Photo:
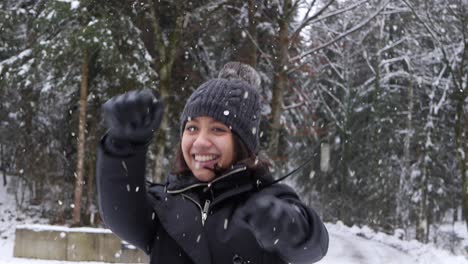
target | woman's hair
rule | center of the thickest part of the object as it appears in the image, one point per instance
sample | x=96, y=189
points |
x=242, y=156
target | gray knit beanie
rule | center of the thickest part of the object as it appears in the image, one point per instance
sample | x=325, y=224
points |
x=232, y=99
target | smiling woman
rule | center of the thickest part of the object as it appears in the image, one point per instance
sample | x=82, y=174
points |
x=219, y=204
x=207, y=144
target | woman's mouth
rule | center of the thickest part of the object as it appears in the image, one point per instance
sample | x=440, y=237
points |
x=205, y=160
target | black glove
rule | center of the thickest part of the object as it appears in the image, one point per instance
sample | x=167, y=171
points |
x=274, y=222
x=131, y=119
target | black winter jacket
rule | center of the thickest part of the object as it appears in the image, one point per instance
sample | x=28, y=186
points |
x=186, y=221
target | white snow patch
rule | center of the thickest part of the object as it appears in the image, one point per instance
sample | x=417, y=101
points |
x=9, y=221
x=74, y=5
x=13, y=59
x=51, y=15
x=353, y=245
x=38, y=228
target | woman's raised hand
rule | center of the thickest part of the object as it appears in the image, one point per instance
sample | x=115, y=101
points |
x=133, y=116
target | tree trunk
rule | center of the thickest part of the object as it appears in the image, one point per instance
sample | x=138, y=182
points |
x=375, y=120
x=76, y=218
x=346, y=147
x=461, y=154
x=91, y=173
x=402, y=206
x=422, y=223
x=252, y=57
x=343, y=184
x=166, y=52
x=3, y=164
x=161, y=137
x=280, y=80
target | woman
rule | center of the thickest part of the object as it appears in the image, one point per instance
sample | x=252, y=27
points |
x=217, y=205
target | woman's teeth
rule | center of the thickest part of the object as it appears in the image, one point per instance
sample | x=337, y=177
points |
x=203, y=158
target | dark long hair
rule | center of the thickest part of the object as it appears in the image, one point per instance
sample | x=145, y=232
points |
x=242, y=156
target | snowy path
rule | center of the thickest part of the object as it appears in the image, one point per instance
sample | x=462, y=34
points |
x=348, y=249
x=378, y=248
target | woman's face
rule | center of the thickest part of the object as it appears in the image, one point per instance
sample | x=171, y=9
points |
x=205, y=143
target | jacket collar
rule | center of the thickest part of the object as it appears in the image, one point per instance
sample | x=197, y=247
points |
x=235, y=177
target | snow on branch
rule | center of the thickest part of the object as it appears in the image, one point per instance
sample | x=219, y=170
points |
x=265, y=55
x=391, y=45
x=429, y=30
x=397, y=74
x=308, y=20
x=392, y=60
x=332, y=65
x=15, y=58
x=442, y=99
x=313, y=19
x=331, y=112
x=301, y=99
x=209, y=7
x=332, y=96
x=344, y=34
x=291, y=106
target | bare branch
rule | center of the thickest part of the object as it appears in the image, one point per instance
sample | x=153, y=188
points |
x=331, y=112
x=307, y=20
x=308, y=10
x=254, y=41
x=291, y=106
x=391, y=45
x=439, y=43
x=392, y=60
x=333, y=97
x=311, y=20
x=342, y=35
x=442, y=99
x=292, y=9
x=210, y=7
x=368, y=63
x=418, y=17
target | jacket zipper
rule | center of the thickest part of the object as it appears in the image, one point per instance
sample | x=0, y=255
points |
x=203, y=210
x=206, y=209
x=206, y=184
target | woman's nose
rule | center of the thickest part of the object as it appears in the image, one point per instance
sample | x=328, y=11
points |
x=202, y=140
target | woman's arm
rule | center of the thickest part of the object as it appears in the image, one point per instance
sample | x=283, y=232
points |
x=131, y=119
x=284, y=225
x=314, y=243
x=123, y=199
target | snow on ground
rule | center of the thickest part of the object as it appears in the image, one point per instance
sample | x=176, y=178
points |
x=10, y=219
x=347, y=245
x=364, y=246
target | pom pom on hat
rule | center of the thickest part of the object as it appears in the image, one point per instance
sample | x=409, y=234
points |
x=236, y=70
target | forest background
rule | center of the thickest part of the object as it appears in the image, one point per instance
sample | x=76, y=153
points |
x=373, y=91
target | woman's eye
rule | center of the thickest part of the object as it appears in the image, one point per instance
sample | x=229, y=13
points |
x=191, y=128
x=219, y=129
